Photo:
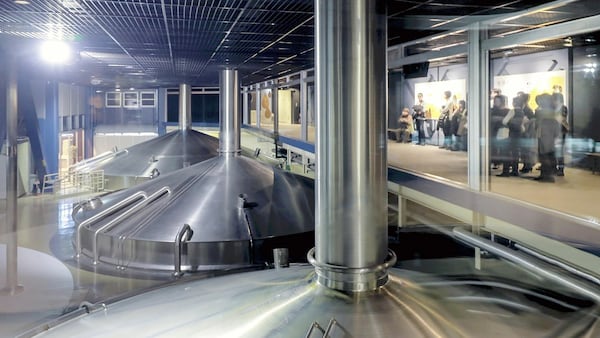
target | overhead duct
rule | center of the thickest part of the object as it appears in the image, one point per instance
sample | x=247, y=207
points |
x=158, y=156
x=223, y=213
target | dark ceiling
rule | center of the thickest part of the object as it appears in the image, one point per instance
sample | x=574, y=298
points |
x=151, y=43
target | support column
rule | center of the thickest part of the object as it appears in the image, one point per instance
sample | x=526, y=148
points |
x=275, y=109
x=478, y=111
x=303, y=107
x=11, y=285
x=161, y=104
x=258, y=106
x=351, y=181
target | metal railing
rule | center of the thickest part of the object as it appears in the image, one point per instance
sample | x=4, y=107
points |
x=73, y=182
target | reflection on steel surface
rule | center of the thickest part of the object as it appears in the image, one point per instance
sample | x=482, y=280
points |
x=287, y=303
x=137, y=227
x=166, y=153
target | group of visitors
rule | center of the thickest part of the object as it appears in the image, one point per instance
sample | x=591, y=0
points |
x=523, y=135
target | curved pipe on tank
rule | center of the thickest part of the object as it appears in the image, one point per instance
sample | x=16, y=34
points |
x=106, y=227
x=117, y=206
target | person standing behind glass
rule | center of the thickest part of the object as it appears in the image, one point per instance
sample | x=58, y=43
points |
x=514, y=121
x=528, y=150
x=455, y=125
x=562, y=114
x=419, y=118
x=548, y=130
x=498, y=139
x=444, y=122
x=463, y=127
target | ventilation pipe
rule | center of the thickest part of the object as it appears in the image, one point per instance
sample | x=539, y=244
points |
x=229, y=126
x=185, y=106
x=351, y=217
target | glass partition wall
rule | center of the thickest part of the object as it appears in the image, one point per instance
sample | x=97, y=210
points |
x=285, y=106
x=470, y=96
x=505, y=110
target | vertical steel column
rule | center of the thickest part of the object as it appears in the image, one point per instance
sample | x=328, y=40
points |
x=245, y=110
x=12, y=281
x=229, y=126
x=478, y=110
x=161, y=104
x=351, y=101
x=303, y=106
x=258, y=105
x=275, y=108
x=185, y=106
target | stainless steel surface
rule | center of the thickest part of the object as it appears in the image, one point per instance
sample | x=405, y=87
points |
x=522, y=260
x=229, y=112
x=350, y=54
x=205, y=196
x=185, y=106
x=11, y=285
x=166, y=153
x=288, y=302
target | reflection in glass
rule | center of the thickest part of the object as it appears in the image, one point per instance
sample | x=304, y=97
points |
x=288, y=108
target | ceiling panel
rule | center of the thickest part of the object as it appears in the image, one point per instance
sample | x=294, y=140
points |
x=133, y=43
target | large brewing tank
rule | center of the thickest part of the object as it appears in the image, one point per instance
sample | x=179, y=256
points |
x=290, y=303
x=161, y=155
x=226, y=212
x=158, y=156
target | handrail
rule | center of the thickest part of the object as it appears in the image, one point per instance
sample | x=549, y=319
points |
x=523, y=261
x=183, y=235
x=325, y=333
x=117, y=219
x=116, y=206
x=314, y=326
x=92, y=161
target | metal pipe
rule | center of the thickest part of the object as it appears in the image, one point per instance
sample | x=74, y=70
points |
x=185, y=106
x=183, y=235
x=100, y=215
x=351, y=215
x=108, y=226
x=12, y=279
x=523, y=261
x=229, y=126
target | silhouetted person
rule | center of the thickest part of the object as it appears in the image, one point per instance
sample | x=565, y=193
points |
x=562, y=113
x=548, y=130
x=419, y=115
x=528, y=150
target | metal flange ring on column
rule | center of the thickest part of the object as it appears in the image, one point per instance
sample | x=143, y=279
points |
x=352, y=279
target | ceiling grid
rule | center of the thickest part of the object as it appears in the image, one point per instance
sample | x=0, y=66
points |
x=168, y=42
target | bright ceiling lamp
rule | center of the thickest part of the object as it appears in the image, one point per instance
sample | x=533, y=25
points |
x=58, y=52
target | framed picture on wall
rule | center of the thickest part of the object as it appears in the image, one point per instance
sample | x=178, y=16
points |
x=113, y=100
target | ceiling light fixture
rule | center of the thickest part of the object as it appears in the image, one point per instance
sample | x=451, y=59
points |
x=58, y=52
x=22, y=2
